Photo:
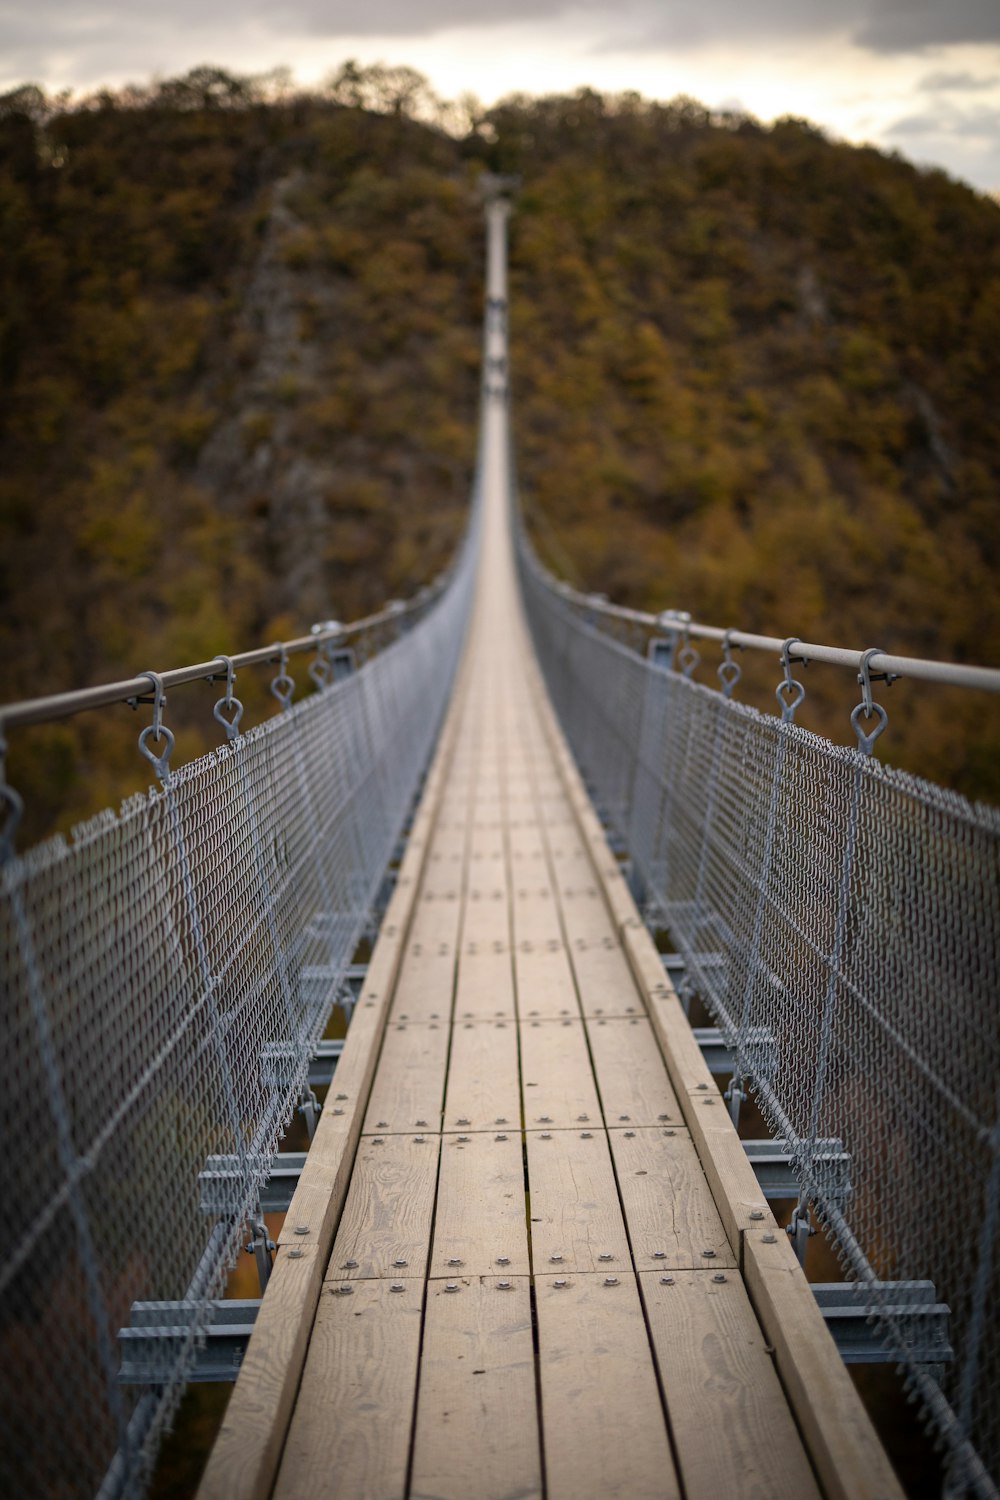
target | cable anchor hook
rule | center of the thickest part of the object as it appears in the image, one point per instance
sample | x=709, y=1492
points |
x=868, y=706
x=729, y=671
x=283, y=686
x=229, y=704
x=157, y=730
x=789, y=692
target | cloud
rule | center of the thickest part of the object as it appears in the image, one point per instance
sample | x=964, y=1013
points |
x=915, y=25
x=883, y=26
x=958, y=83
x=981, y=123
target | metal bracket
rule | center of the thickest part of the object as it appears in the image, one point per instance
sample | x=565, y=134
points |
x=910, y=1307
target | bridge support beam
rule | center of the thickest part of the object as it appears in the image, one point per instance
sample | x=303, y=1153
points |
x=845, y=1307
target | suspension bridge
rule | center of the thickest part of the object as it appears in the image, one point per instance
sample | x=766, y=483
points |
x=528, y=1252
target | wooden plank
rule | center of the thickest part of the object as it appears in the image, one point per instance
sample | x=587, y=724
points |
x=246, y=1451
x=350, y=1433
x=576, y=1220
x=409, y=1085
x=732, y=1428
x=731, y=1178
x=688, y=1070
x=842, y=1443
x=386, y=1225
x=477, y=1421
x=631, y=1074
x=483, y=1089
x=672, y=1219
x=426, y=983
x=603, y=978
x=558, y=1082
x=485, y=989
x=603, y=1429
x=543, y=979
x=479, y=1225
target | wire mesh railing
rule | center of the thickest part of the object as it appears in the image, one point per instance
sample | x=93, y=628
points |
x=841, y=922
x=168, y=972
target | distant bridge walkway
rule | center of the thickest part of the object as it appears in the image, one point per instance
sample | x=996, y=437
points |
x=527, y=1255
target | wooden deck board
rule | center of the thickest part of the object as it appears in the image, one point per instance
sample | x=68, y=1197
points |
x=483, y=1091
x=631, y=1074
x=386, y=1225
x=479, y=1226
x=559, y=1087
x=350, y=1433
x=717, y=1372
x=477, y=1421
x=672, y=1219
x=603, y=1431
x=576, y=1220
x=408, y=1092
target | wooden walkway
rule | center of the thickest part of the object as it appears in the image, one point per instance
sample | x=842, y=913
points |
x=527, y=1256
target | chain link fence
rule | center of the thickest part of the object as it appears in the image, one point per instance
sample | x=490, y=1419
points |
x=841, y=922
x=168, y=972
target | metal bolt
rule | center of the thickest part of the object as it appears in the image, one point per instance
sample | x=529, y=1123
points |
x=769, y=1239
x=624, y=1117
x=545, y=1119
x=555, y=1259
x=630, y=1135
x=397, y=1286
x=703, y=1086
x=418, y=1123
x=670, y=1132
x=560, y=1282
x=659, y=1255
x=500, y=1120
x=342, y=1291
x=583, y=1119
x=611, y=1281
x=756, y=1213
x=463, y=1121
x=500, y=1138
x=302, y=1229
x=400, y=1262
x=605, y=1255
x=341, y=1096
x=718, y=1276
x=350, y=1265
x=418, y=1140
x=503, y=1260
x=463, y=1140
x=586, y=1135
x=377, y=1140
x=546, y=1135
x=382, y=1124
x=338, y=1111
x=295, y=1255
x=451, y=1286
x=503, y=1286
x=708, y=1254
x=454, y=1261
x=663, y=1117
x=666, y=1281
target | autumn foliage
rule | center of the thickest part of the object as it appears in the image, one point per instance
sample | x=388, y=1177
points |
x=755, y=376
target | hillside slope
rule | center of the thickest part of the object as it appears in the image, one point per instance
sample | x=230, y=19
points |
x=755, y=377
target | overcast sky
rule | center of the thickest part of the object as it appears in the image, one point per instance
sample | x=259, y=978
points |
x=920, y=76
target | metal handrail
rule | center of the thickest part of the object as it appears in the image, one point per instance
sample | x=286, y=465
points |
x=46, y=710
x=880, y=663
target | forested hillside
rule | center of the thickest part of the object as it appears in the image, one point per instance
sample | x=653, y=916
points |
x=755, y=376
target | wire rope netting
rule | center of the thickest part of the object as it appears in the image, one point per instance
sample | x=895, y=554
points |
x=841, y=922
x=168, y=972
